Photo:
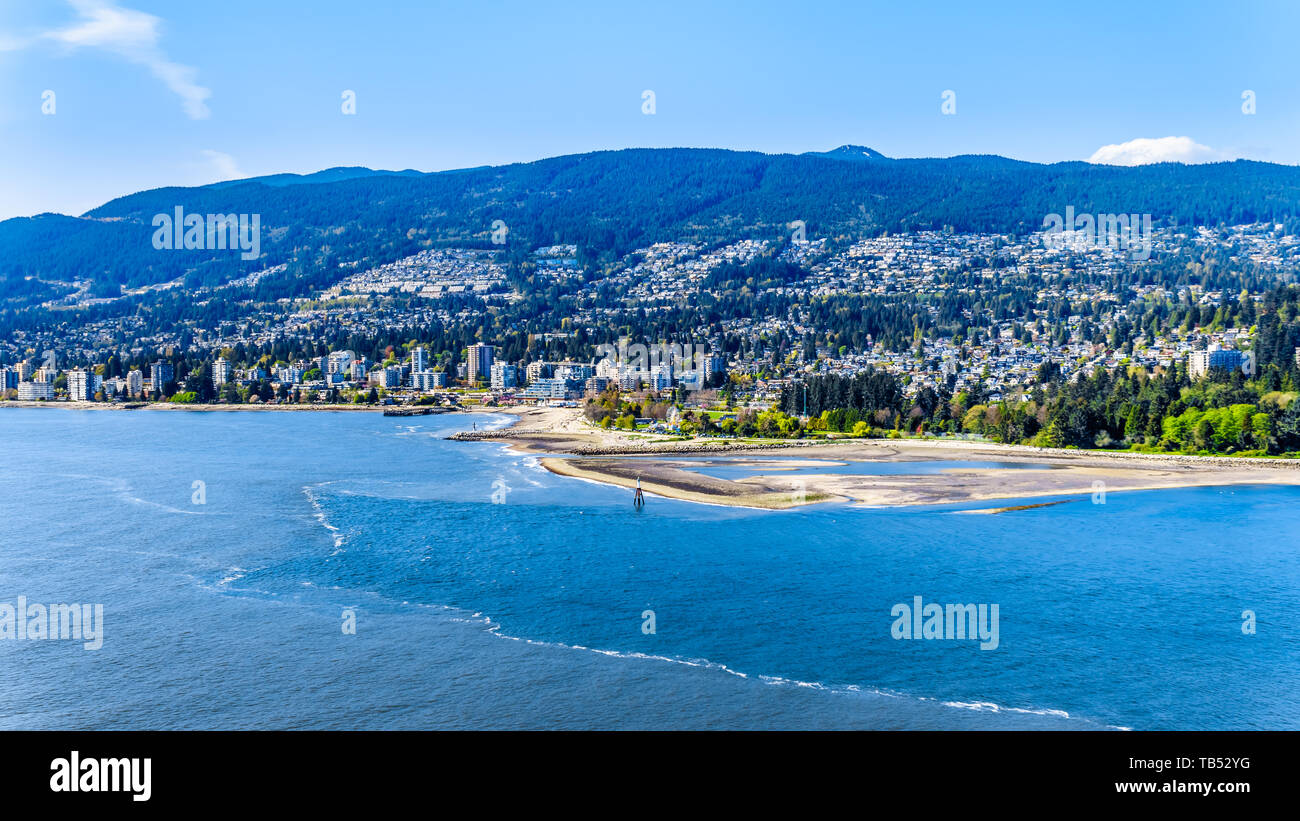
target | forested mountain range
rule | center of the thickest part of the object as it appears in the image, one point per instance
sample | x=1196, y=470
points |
x=611, y=202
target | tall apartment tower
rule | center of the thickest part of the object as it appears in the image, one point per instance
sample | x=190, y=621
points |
x=160, y=373
x=81, y=385
x=221, y=370
x=480, y=362
x=504, y=376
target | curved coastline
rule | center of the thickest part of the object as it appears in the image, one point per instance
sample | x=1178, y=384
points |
x=569, y=447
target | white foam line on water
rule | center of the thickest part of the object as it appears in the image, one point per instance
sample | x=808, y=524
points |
x=461, y=615
x=236, y=573
x=497, y=421
x=495, y=628
x=982, y=706
x=310, y=492
x=121, y=488
x=990, y=707
x=526, y=461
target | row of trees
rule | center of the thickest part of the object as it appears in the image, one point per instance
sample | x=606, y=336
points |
x=1221, y=413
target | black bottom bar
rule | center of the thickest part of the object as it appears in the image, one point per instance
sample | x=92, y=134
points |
x=335, y=770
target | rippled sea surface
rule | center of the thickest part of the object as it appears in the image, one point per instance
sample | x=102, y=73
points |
x=489, y=593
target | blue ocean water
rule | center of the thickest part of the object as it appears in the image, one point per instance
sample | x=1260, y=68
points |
x=489, y=593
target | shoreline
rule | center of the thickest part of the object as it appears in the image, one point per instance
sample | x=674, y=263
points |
x=567, y=446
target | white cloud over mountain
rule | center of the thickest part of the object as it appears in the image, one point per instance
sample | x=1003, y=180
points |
x=1145, y=150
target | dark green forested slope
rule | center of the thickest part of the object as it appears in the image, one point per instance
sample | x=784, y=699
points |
x=611, y=202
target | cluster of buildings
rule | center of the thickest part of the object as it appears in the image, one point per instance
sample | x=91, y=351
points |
x=922, y=269
x=656, y=285
x=417, y=374
x=81, y=384
x=431, y=274
x=668, y=269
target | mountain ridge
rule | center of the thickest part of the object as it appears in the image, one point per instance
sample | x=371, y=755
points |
x=611, y=202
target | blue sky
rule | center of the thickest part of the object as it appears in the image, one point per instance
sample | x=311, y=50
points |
x=149, y=93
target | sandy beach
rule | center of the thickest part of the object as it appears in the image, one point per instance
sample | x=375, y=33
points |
x=571, y=447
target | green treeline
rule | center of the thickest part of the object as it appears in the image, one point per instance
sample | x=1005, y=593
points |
x=1221, y=413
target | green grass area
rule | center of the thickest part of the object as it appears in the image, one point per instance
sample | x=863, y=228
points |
x=1241, y=454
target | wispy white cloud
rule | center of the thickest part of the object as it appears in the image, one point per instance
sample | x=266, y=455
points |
x=127, y=33
x=9, y=42
x=1145, y=150
x=221, y=166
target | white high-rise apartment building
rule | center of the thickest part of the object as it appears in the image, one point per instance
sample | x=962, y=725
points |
x=32, y=391
x=221, y=370
x=338, y=362
x=81, y=385
x=537, y=370
x=428, y=380
x=504, y=376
